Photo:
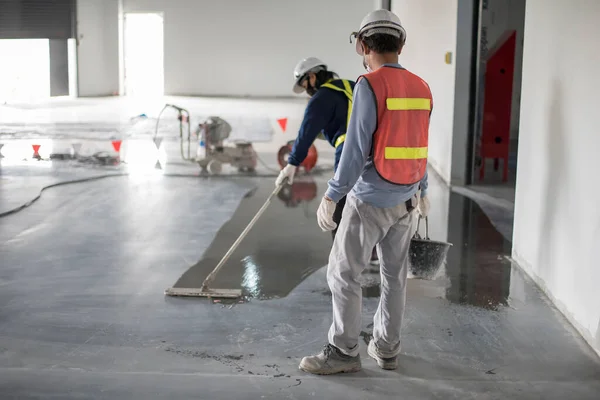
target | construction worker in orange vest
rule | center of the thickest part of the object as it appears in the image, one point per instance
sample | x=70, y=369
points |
x=383, y=170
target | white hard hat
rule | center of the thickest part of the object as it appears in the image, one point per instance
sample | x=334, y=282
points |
x=378, y=21
x=310, y=64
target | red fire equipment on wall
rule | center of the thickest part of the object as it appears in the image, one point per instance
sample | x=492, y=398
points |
x=495, y=134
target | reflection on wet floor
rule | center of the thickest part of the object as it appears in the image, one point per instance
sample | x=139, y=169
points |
x=477, y=270
x=284, y=247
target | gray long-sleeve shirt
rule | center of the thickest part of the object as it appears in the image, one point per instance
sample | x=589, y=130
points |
x=355, y=172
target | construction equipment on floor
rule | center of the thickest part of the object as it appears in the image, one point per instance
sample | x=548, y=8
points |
x=212, y=152
x=205, y=290
x=426, y=256
x=211, y=133
x=183, y=116
x=309, y=162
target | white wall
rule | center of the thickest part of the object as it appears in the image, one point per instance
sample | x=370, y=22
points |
x=98, y=47
x=431, y=32
x=243, y=47
x=557, y=214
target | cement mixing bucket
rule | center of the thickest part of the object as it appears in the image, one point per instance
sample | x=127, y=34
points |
x=426, y=255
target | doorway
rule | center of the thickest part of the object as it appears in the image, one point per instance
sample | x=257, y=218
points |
x=485, y=138
x=500, y=56
x=143, y=54
x=26, y=78
x=489, y=58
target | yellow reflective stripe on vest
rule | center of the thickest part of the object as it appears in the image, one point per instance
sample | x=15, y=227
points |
x=341, y=139
x=396, y=104
x=348, y=92
x=405, y=153
x=347, y=88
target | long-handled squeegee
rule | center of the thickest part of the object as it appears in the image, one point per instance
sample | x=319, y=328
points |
x=205, y=290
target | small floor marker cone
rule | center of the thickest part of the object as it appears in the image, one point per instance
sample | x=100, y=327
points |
x=36, y=150
x=76, y=147
x=282, y=123
x=116, y=145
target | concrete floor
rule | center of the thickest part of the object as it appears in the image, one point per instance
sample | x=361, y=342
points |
x=83, y=270
x=496, y=202
x=83, y=315
x=493, y=195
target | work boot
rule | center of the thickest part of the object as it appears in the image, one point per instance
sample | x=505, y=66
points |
x=384, y=363
x=330, y=361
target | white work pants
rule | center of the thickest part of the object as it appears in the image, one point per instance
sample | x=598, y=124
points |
x=362, y=227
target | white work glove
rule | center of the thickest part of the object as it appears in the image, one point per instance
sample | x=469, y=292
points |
x=423, y=206
x=325, y=215
x=287, y=172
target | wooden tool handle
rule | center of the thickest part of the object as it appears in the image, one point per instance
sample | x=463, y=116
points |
x=235, y=244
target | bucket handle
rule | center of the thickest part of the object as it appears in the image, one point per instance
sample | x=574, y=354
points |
x=417, y=235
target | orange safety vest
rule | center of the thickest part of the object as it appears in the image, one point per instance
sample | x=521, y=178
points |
x=404, y=103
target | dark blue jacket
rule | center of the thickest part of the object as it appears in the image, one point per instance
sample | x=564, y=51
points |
x=326, y=112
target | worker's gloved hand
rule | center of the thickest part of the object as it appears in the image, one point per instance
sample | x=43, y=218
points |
x=423, y=206
x=287, y=172
x=325, y=215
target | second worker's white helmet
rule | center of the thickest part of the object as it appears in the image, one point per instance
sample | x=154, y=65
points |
x=310, y=64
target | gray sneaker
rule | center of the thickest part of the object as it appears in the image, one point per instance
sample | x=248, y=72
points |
x=330, y=361
x=385, y=363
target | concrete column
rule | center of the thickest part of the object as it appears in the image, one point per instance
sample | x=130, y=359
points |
x=464, y=94
x=59, y=67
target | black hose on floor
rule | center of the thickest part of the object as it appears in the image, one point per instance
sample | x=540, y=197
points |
x=96, y=178
x=36, y=198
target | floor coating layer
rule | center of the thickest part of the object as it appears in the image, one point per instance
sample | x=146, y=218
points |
x=496, y=202
x=278, y=254
x=83, y=315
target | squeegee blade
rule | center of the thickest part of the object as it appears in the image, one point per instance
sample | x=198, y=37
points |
x=198, y=292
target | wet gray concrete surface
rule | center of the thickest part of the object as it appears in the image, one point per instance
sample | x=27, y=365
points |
x=496, y=203
x=23, y=180
x=279, y=252
x=83, y=315
x=22, y=184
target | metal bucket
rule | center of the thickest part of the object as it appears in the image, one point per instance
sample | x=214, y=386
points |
x=426, y=256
